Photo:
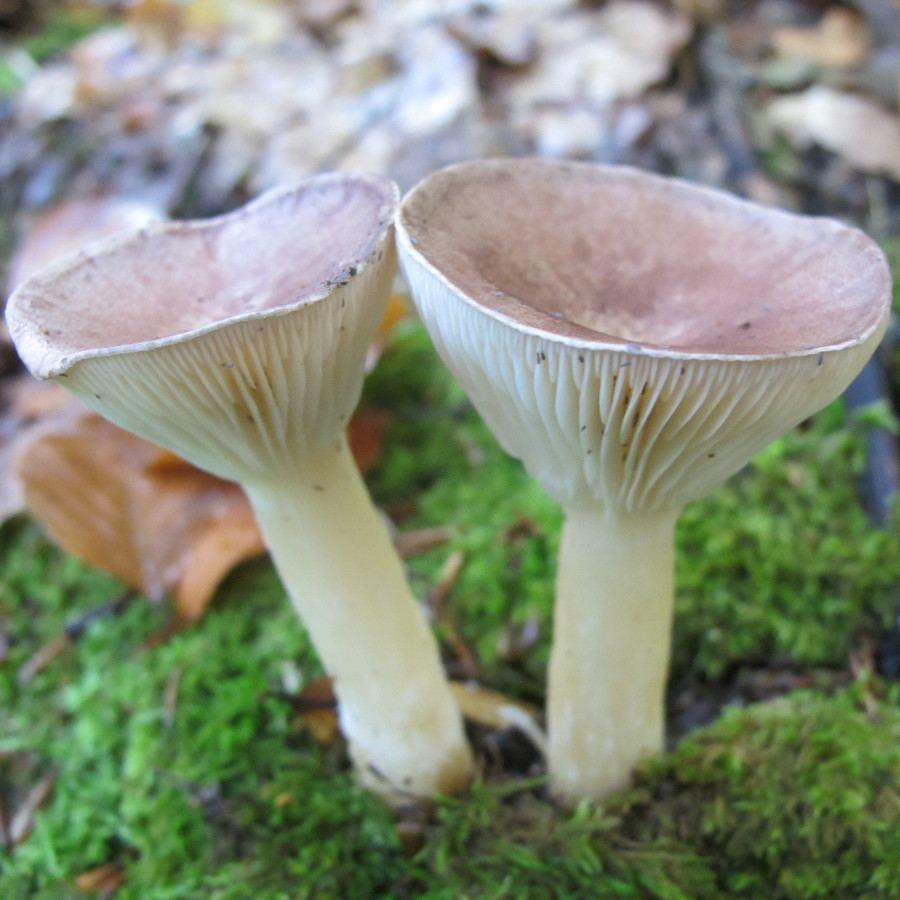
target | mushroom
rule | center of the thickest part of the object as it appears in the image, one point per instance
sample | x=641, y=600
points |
x=239, y=344
x=633, y=339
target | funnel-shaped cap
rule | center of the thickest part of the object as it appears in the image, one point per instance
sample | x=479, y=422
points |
x=635, y=339
x=238, y=342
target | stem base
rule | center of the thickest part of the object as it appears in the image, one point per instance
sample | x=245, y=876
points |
x=611, y=646
x=345, y=580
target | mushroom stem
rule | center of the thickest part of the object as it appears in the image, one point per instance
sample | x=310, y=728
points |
x=611, y=645
x=345, y=580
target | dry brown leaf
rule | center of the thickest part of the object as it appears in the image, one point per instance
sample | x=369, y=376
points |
x=104, y=879
x=365, y=434
x=101, y=496
x=601, y=56
x=840, y=39
x=167, y=22
x=488, y=707
x=27, y=409
x=863, y=133
x=317, y=708
x=509, y=36
x=45, y=655
x=396, y=311
x=72, y=226
x=23, y=820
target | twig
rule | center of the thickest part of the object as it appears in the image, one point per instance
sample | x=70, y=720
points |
x=42, y=658
x=4, y=828
x=446, y=579
x=420, y=540
x=444, y=616
x=170, y=696
x=23, y=820
x=70, y=634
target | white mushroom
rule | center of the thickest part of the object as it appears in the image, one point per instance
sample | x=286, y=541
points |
x=633, y=340
x=239, y=343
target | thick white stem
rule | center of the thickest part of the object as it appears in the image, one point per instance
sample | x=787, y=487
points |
x=611, y=646
x=343, y=575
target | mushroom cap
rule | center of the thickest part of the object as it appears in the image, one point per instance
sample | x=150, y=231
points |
x=634, y=339
x=237, y=341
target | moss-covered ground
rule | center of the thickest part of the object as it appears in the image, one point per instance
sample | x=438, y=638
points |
x=184, y=764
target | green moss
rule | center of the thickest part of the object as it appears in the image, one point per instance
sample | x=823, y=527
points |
x=796, y=798
x=170, y=759
x=184, y=763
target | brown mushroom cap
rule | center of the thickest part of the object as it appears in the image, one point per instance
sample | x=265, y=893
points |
x=634, y=339
x=238, y=342
x=598, y=254
x=166, y=282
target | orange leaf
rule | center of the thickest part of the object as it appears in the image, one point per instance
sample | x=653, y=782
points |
x=317, y=707
x=73, y=225
x=27, y=409
x=365, y=434
x=840, y=39
x=102, y=496
x=104, y=879
x=396, y=310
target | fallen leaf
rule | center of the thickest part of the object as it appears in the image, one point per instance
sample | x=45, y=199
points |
x=599, y=56
x=488, y=707
x=863, y=133
x=509, y=36
x=74, y=225
x=396, y=311
x=23, y=820
x=169, y=21
x=42, y=658
x=840, y=39
x=316, y=705
x=589, y=61
x=365, y=435
x=101, y=495
x=104, y=879
x=27, y=410
x=109, y=69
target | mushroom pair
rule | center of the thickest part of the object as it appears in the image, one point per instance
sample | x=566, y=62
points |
x=634, y=340
x=239, y=343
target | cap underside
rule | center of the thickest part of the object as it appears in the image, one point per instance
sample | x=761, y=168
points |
x=613, y=255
